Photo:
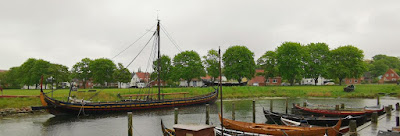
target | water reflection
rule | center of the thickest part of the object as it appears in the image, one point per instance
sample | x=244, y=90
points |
x=147, y=123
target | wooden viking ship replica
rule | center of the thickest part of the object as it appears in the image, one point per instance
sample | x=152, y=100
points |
x=58, y=107
x=276, y=118
x=281, y=130
x=338, y=113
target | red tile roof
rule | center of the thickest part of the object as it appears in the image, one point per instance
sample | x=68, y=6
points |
x=207, y=77
x=259, y=70
x=3, y=70
x=143, y=76
x=394, y=72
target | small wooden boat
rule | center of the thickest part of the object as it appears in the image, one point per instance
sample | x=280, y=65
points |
x=289, y=122
x=275, y=118
x=272, y=129
x=166, y=131
x=188, y=130
x=335, y=113
x=230, y=132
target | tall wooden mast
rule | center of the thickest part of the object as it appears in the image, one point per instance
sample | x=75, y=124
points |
x=158, y=60
x=220, y=89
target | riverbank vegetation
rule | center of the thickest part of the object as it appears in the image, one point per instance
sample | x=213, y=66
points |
x=234, y=92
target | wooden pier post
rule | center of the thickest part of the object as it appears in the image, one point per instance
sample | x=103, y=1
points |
x=397, y=121
x=377, y=100
x=337, y=107
x=342, y=106
x=176, y=115
x=254, y=111
x=130, y=132
x=374, y=117
x=397, y=106
x=287, y=103
x=208, y=114
x=271, y=105
x=233, y=111
x=388, y=111
x=353, y=128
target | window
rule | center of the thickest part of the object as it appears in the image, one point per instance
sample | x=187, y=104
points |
x=350, y=81
x=387, y=75
x=274, y=81
x=393, y=79
x=267, y=80
x=355, y=81
x=392, y=75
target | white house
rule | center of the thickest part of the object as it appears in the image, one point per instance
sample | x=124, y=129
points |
x=139, y=79
x=311, y=81
x=193, y=83
x=199, y=82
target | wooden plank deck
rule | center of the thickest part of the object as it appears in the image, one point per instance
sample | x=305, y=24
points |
x=384, y=123
x=178, y=93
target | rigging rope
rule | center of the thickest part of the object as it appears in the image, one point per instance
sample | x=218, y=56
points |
x=141, y=50
x=82, y=108
x=134, y=42
x=170, y=38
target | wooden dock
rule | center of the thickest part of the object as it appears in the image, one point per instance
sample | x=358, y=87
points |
x=384, y=123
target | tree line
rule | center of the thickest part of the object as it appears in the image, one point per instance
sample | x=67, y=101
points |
x=100, y=70
x=291, y=60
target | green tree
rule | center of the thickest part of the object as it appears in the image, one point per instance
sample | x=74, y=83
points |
x=26, y=70
x=81, y=71
x=316, y=61
x=347, y=62
x=59, y=73
x=211, y=63
x=268, y=63
x=382, y=61
x=122, y=74
x=290, y=56
x=187, y=65
x=3, y=81
x=392, y=62
x=32, y=70
x=102, y=70
x=166, y=68
x=239, y=63
x=12, y=78
x=41, y=68
x=378, y=68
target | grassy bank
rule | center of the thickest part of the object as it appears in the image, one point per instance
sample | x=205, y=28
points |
x=362, y=91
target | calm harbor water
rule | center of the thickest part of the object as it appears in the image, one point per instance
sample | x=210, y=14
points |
x=147, y=123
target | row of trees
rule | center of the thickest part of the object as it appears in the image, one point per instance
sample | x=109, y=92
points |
x=29, y=73
x=238, y=63
x=292, y=61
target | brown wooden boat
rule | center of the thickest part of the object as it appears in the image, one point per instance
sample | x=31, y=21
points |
x=166, y=131
x=280, y=130
x=335, y=113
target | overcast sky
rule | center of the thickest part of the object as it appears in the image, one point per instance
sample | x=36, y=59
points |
x=67, y=31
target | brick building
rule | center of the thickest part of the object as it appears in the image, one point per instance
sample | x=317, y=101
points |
x=389, y=77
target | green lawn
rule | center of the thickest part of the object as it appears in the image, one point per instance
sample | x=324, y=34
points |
x=361, y=91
